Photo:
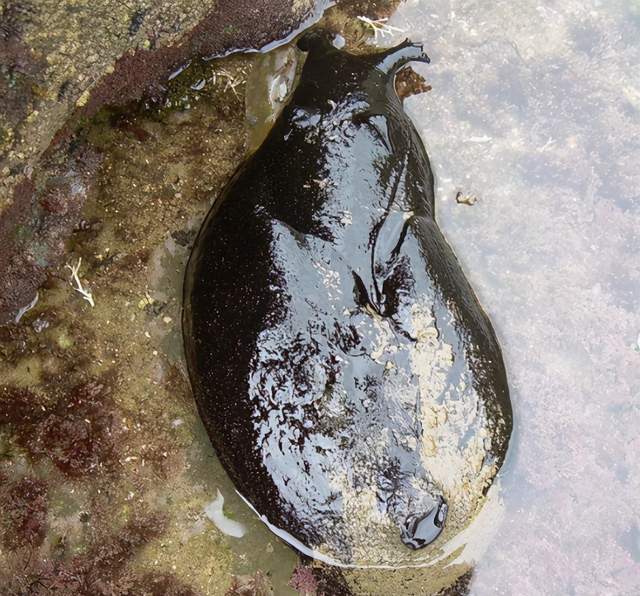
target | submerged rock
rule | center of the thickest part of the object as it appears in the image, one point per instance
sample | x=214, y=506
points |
x=61, y=61
x=348, y=378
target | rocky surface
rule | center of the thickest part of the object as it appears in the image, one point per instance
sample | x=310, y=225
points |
x=60, y=62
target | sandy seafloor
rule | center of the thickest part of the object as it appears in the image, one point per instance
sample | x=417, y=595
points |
x=535, y=109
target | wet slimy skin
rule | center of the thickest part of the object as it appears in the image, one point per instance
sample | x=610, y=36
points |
x=348, y=378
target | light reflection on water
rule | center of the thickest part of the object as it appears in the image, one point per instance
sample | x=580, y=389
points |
x=535, y=108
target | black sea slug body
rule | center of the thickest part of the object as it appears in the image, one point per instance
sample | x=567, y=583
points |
x=348, y=378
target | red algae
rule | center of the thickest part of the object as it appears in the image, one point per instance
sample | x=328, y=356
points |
x=103, y=571
x=78, y=433
x=408, y=82
x=257, y=584
x=303, y=581
x=24, y=517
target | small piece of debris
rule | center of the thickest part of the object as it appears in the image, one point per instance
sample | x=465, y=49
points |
x=84, y=292
x=184, y=237
x=26, y=308
x=303, y=580
x=463, y=199
x=231, y=81
x=409, y=82
x=179, y=70
x=380, y=27
x=339, y=42
x=40, y=324
x=199, y=85
x=483, y=139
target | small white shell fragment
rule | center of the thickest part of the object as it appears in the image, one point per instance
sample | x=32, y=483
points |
x=31, y=304
x=199, y=85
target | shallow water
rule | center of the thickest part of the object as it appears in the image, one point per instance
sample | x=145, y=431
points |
x=536, y=112
x=535, y=109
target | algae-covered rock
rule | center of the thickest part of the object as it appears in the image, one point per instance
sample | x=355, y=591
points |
x=60, y=62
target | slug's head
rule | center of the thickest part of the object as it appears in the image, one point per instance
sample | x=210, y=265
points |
x=333, y=75
x=421, y=529
x=416, y=509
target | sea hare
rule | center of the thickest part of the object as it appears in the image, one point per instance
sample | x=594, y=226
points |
x=349, y=380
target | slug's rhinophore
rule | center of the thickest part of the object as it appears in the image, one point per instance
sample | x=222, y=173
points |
x=348, y=378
